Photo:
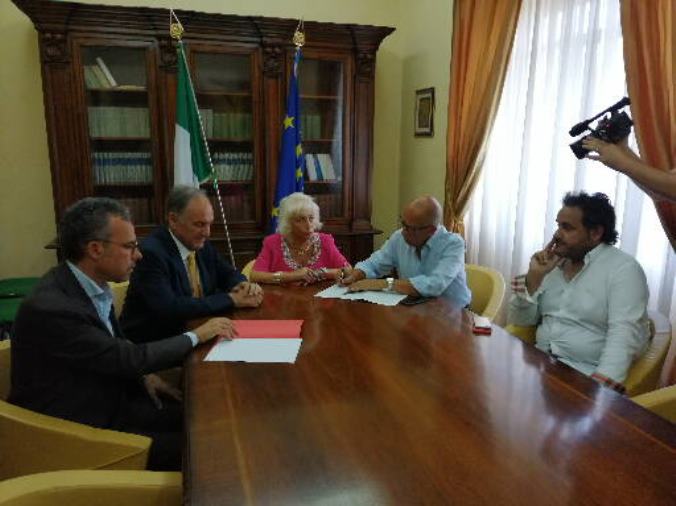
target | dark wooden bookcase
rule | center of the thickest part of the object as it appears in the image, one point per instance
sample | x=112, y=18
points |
x=109, y=84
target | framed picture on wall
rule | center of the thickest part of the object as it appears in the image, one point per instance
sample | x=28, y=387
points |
x=424, y=112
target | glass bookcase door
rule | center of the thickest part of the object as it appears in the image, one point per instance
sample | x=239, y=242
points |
x=322, y=116
x=223, y=86
x=119, y=126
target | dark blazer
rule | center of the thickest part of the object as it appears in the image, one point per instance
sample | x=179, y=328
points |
x=66, y=364
x=159, y=300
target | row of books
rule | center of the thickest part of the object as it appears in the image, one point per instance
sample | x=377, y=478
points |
x=233, y=166
x=119, y=121
x=311, y=126
x=122, y=167
x=99, y=76
x=227, y=125
x=319, y=167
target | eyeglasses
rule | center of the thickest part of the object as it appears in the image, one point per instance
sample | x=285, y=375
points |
x=131, y=245
x=412, y=228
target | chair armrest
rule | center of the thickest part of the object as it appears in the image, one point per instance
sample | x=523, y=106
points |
x=662, y=402
x=32, y=442
x=104, y=488
x=526, y=334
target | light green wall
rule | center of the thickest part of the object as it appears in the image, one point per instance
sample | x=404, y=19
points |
x=416, y=55
x=26, y=204
x=426, y=55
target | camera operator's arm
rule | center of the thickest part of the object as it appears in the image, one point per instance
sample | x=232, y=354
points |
x=657, y=183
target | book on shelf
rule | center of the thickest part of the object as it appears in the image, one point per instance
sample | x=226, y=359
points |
x=207, y=116
x=232, y=125
x=233, y=166
x=327, y=166
x=91, y=81
x=319, y=167
x=133, y=122
x=311, y=126
x=97, y=77
x=117, y=167
x=106, y=72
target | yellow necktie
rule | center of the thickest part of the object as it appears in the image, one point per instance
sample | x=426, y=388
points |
x=194, y=275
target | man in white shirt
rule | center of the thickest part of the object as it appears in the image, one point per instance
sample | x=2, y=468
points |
x=587, y=297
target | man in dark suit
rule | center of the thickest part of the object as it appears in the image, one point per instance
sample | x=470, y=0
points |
x=181, y=276
x=69, y=358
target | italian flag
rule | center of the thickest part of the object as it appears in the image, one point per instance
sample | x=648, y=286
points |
x=191, y=158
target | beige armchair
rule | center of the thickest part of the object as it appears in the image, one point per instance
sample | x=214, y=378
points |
x=86, y=488
x=248, y=268
x=119, y=294
x=32, y=442
x=488, y=290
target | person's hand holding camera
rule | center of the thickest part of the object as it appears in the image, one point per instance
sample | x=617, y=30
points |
x=616, y=156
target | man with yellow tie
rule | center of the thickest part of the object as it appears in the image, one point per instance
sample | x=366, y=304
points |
x=181, y=276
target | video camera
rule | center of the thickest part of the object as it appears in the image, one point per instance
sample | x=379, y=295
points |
x=612, y=128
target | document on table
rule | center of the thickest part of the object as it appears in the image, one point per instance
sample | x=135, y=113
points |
x=376, y=297
x=260, y=341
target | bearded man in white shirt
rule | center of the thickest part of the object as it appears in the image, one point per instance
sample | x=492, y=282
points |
x=587, y=298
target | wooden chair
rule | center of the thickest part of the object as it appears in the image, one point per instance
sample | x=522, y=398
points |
x=102, y=488
x=488, y=290
x=32, y=442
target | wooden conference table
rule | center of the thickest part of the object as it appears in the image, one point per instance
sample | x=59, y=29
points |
x=404, y=406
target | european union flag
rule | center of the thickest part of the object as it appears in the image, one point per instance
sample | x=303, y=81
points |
x=291, y=159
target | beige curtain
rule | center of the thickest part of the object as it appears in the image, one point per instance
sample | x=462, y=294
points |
x=649, y=43
x=483, y=35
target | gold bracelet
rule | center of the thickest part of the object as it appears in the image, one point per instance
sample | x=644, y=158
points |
x=277, y=277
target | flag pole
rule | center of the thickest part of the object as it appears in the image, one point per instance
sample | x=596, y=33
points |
x=176, y=31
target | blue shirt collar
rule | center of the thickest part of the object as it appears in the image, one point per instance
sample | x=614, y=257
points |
x=100, y=296
x=91, y=287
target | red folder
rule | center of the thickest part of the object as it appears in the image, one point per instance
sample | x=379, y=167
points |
x=284, y=329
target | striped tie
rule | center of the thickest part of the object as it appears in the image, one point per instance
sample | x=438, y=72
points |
x=194, y=275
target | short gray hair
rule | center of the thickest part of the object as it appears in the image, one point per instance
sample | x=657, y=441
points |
x=85, y=221
x=292, y=205
x=180, y=196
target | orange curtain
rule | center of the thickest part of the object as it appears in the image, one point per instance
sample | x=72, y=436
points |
x=649, y=43
x=483, y=35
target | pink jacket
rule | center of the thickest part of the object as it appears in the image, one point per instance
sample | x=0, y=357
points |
x=271, y=258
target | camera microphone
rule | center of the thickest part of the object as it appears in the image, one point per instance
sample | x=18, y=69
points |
x=579, y=128
x=584, y=125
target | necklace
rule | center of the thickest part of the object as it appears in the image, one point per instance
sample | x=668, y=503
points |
x=303, y=248
x=300, y=256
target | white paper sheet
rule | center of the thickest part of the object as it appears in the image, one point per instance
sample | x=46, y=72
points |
x=376, y=297
x=256, y=350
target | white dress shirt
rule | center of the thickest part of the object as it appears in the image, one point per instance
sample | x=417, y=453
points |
x=597, y=321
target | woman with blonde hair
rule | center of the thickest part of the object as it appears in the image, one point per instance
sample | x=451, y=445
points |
x=297, y=253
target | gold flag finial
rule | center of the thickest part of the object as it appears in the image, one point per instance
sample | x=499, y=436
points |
x=175, y=27
x=299, y=34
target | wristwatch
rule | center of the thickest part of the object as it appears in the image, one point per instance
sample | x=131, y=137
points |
x=277, y=277
x=390, y=284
